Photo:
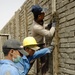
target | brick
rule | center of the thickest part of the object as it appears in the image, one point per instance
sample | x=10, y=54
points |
x=63, y=40
x=72, y=22
x=62, y=20
x=64, y=35
x=67, y=71
x=65, y=45
x=72, y=55
x=71, y=16
x=67, y=50
x=62, y=15
x=63, y=3
x=71, y=39
x=62, y=60
x=70, y=61
x=64, y=55
x=63, y=9
x=71, y=5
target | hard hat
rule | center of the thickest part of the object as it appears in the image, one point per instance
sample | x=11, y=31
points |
x=36, y=9
x=31, y=43
x=14, y=44
x=28, y=41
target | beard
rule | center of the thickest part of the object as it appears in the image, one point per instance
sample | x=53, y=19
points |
x=41, y=22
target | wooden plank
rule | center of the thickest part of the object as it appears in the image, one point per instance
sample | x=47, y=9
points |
x=55, y=52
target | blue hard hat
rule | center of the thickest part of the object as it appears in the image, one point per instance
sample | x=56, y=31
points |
x=36, y=9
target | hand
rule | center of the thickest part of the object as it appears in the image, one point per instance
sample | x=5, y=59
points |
x=49, y=26
x=51, y=47
x=54, y=17
x=54, y=20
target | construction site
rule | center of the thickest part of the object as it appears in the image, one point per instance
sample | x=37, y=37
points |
x=62, y=60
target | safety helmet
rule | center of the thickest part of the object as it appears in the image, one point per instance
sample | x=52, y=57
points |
x=28, y=41
x=37, y=10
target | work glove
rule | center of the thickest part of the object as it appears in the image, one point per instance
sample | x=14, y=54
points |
x=51, y=48
x=52, y=21
x=54, y=17
x=49, y=26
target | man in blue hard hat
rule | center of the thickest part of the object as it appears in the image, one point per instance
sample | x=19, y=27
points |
x=39, y=31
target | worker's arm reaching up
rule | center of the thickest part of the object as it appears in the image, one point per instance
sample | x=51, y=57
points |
x=41, y=53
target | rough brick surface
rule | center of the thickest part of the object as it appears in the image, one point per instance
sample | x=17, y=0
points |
x=19, y=26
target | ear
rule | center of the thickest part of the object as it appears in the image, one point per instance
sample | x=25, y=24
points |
x=39, y=16
x=11, y=52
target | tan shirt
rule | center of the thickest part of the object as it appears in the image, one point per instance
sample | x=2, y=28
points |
x=38, y=32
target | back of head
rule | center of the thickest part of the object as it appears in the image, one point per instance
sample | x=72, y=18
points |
x=13, y=44
x=36, y=10
x=10, y=44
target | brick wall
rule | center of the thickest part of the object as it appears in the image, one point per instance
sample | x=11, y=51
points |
x=62, y=61
x=66, y=9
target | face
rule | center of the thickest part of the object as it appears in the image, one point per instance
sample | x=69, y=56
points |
x=30, y=51
x=16, y=56
x=41, y=16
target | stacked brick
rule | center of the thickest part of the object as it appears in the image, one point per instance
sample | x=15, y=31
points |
x=19, y=26
x=66, y=9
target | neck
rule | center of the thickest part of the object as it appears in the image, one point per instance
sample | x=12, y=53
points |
x=40, y=22
x=8, y=57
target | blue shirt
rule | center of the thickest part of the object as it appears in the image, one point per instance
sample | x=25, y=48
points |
x=24, y=65
x=7, y=67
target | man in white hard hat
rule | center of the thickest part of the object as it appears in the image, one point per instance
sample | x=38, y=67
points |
x=30, y=46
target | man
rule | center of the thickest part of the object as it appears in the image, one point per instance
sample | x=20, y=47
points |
x=38, y=30
x=13, y=51
x=30, y=46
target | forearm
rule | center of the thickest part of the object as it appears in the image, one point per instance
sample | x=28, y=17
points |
x=41, y=52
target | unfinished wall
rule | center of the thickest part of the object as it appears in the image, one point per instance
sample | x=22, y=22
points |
x=62, y=60
x=66, y=9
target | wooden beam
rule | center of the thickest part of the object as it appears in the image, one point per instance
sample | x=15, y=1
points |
x=53, y=6
x=35, y=2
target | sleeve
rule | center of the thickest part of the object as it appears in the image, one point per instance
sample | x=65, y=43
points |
x=44, y=32
x=41, y=53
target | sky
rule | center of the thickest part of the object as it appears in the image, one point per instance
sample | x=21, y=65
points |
x=8, y=9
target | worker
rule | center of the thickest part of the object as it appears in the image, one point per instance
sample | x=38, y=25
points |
x=38, y=30
x=13, y=51
x=30, y=46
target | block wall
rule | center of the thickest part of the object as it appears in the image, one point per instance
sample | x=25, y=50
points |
x=66, y=9
x=62, y=60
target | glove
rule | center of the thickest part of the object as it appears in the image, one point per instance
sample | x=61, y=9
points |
x=51, y=48
x=53, y=24
x=54, y=19
x=49, y=26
